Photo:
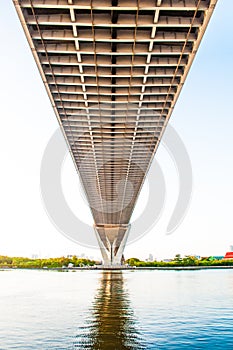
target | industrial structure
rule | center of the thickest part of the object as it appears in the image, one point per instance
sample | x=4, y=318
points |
x=113, y=70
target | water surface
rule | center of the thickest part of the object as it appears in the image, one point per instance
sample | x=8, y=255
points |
x=116, y=310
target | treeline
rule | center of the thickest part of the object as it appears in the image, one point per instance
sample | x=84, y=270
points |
x=179, y=261
x=74, y=261
x=21, y=262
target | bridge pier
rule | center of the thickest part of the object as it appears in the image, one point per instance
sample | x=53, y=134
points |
x=112, y=240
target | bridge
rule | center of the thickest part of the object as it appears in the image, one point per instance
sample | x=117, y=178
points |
x=113, y=70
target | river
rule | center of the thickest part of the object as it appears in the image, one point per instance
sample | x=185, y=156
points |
x=116, y=310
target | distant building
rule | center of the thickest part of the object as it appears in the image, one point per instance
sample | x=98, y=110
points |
x=228, y=255
x=218, y=257
x=167, y=260
x=151, y=258
x=35, y=256
x=198, y=257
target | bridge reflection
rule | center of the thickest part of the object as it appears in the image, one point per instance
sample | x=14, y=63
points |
x=112, y=325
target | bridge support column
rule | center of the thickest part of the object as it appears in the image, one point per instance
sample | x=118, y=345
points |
x=112, y=240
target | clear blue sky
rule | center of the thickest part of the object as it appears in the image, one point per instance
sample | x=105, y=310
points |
x=203, y=118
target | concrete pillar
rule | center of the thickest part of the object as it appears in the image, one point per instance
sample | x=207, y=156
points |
x=112, y=240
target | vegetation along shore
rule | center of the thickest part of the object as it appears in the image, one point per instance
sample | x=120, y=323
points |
x=76, y=262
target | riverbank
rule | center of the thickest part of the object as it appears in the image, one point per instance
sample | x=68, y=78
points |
x=76, y=263
x=122, y=268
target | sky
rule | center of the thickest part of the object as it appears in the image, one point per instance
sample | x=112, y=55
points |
x=202, y=117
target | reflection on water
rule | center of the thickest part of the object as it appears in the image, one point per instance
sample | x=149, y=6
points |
x=112, y=325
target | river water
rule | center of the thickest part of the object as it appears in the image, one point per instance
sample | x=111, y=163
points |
x=116, y=310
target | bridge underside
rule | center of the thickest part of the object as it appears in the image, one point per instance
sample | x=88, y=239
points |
x=113, y=70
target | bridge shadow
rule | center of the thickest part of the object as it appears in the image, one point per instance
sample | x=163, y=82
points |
x=112, y=325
